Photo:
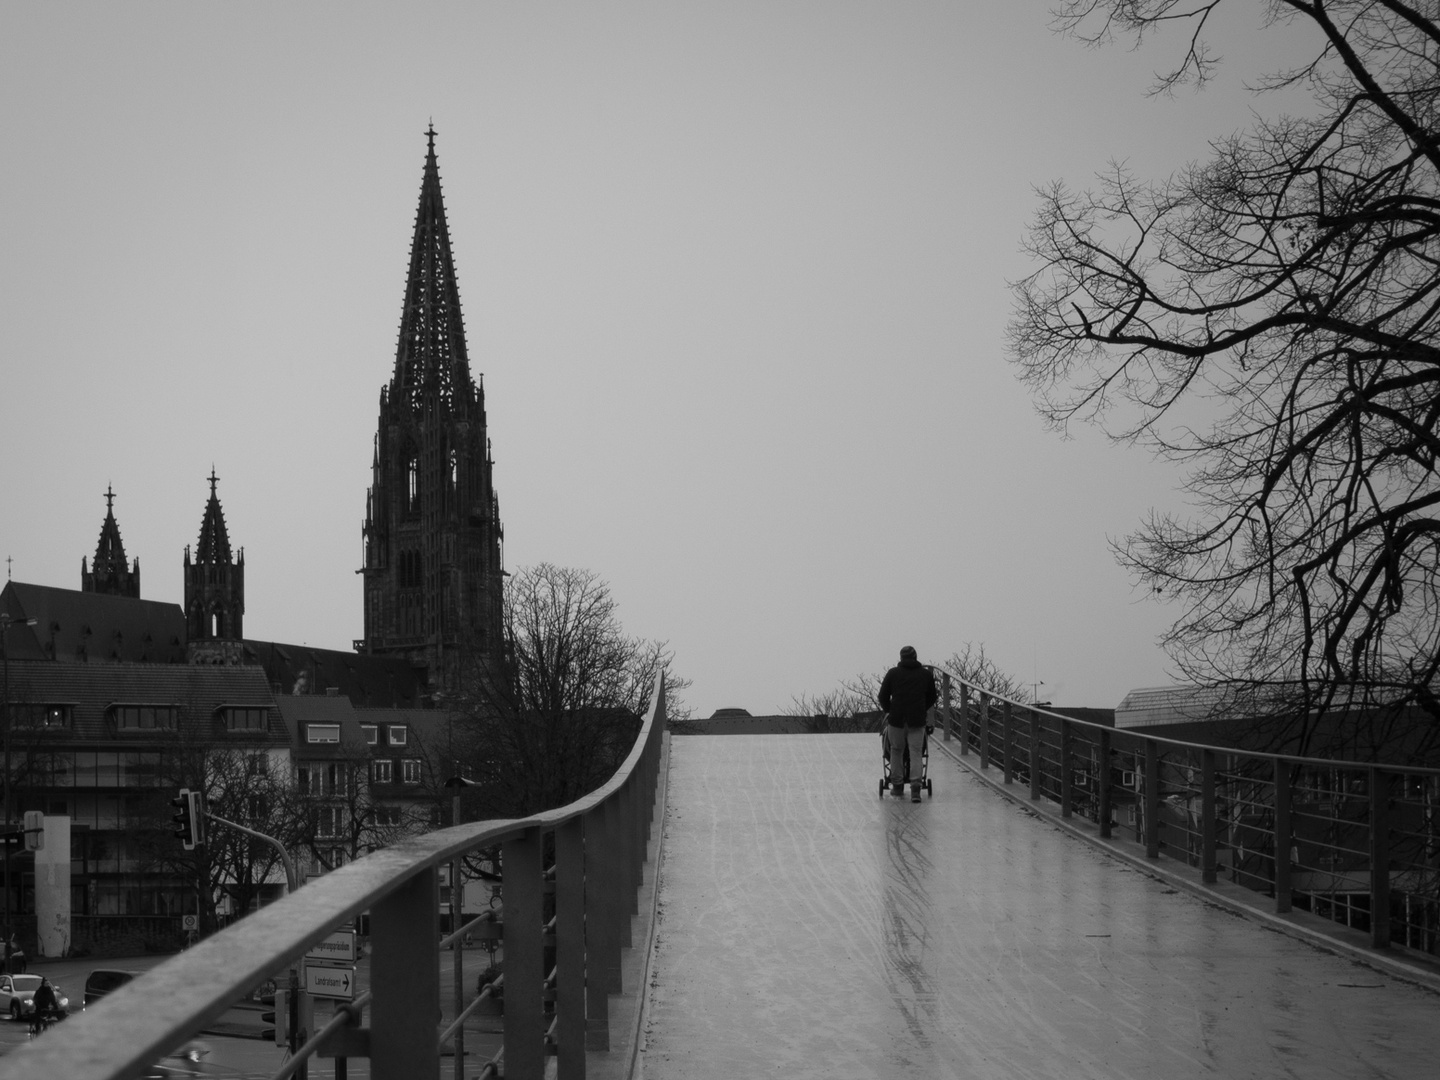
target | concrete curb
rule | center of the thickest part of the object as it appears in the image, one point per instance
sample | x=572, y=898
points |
x=1406, y=965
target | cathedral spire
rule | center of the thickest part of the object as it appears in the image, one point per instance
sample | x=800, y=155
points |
x=430, y=359
x=110, y=573
x=434, y=573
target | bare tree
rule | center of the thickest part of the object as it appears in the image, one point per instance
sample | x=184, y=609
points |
x=1270, y=318
x=560, y=716
x=973, y=666
x=248, y=786
x=851, y=706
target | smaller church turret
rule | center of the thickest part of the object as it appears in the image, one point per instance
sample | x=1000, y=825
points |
x=214, y=591
x=110, y=573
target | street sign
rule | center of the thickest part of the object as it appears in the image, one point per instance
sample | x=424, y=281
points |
x=190, y=922
x=330, y=982
x=338, y=946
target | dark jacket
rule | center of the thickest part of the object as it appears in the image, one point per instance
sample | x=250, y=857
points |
x=907, y=692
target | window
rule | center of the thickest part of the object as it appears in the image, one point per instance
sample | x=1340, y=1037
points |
x=322, y=733
x=304, y=779
x=42, y=716
x=380, y=771
x=410, y=770
x=397, y=734
x=327, y=821
x=246, y=718
x=371, y=733
x=387, y=815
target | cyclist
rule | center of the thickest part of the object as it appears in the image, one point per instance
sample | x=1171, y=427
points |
x=44, y=1005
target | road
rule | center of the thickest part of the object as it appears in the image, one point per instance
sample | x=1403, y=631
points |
x=235, y=1049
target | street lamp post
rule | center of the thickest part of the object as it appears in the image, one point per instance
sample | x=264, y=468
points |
x=6, y=622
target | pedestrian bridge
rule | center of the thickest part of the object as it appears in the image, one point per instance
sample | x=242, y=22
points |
x=807, y=928
x=745, y=905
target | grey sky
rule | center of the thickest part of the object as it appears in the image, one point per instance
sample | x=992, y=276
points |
x=735, y=275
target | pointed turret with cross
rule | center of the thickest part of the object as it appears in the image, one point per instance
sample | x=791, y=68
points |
x=110, y=573
x=433, y=540
x=214, y=590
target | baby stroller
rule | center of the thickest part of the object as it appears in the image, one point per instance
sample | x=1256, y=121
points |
x=909, y=777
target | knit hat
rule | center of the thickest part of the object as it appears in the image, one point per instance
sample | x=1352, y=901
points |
x=908, y=653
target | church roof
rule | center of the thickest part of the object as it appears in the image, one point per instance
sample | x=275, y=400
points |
x=91, y=690
x=214, y=546
x=357, y=677
x=90, y=627
x=430, y=358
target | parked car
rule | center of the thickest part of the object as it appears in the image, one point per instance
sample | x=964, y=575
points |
x=17, y=993
x=102, y=981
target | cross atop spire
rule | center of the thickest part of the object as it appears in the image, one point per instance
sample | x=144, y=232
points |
x=109, y=500
x=430, y=360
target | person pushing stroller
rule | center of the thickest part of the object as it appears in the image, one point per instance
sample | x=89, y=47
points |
x=906, y=694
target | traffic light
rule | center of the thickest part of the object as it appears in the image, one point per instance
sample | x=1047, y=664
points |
x=276, y=1017
x=184, y=819
x=197, y=818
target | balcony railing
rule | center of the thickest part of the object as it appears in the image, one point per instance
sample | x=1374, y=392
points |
x=1355, y=842
x=595, y=856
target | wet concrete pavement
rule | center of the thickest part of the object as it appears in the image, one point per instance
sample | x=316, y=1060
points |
x=810, y=929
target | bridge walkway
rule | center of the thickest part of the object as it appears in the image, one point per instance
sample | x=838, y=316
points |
x=808, y=928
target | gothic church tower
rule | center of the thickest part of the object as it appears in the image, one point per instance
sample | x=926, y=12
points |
x=110, y=572
x=433, y=540
x=214, y=591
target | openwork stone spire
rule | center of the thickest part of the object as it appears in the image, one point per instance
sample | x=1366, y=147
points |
x=434, y=567
x=430, y=359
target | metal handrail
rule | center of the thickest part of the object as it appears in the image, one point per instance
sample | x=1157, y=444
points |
x=398, y=885
x=1216, y=807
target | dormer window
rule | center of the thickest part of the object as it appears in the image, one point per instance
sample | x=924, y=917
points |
x=322, y=733
x=43, y=717
x=140, y=717
x=397, y=734
x=371, y=733
x=253, y=718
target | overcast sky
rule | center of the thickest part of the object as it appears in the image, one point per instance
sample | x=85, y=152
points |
x=735, y=275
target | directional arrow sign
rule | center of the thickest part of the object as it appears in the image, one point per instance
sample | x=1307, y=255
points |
x=330, y=982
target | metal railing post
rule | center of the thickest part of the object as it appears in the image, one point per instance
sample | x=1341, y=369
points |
x=602, y=974
x=1035, y=758
x=949, y=721
x=570, y=949
x=1379, y=783
x=984, y=730
x=1283, y=840
x=1067, y=774
x=1152, y=799
x=1008, y=731
x=1207, y=817
x=524, y=893
x=405, y=981
x=964, y=719
x=1103, y=768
